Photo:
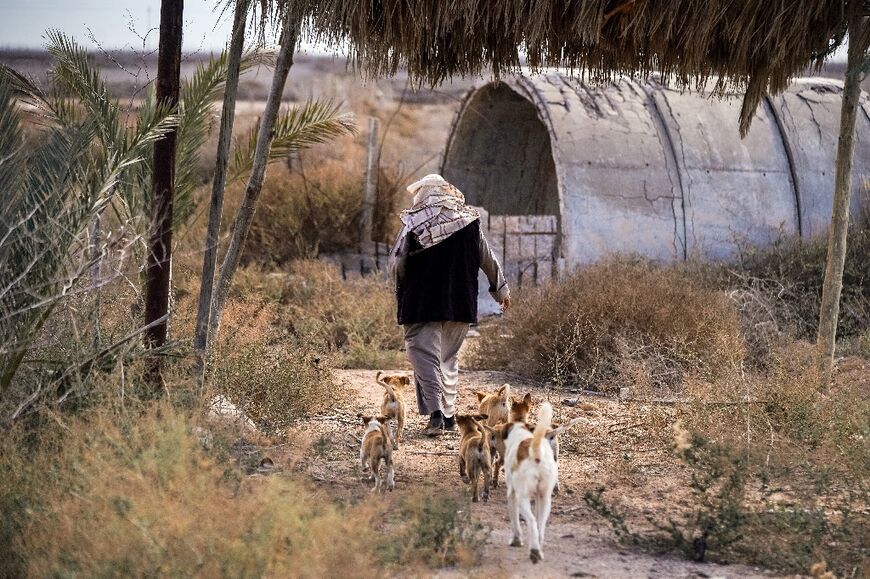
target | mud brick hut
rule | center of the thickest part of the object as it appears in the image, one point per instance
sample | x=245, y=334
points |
x=569, y=172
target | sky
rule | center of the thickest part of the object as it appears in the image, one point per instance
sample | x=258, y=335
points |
x=23, y=23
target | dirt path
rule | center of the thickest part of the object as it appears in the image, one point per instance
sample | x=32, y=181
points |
x=579, y=543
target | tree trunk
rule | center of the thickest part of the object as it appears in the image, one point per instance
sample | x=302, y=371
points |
x=245, y=214
x=157, y=272
x=833, y=285
x=228, y=113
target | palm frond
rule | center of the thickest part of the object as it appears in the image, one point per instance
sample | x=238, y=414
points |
x=11, y=142
x=198, y=94
x=301, y=127
x=73, y=71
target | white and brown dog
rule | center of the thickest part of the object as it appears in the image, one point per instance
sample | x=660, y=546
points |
x=393, y=405
x=519, y=412
x=376, y=447
x=531, y=473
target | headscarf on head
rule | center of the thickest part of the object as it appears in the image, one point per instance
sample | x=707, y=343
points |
x=439, y=211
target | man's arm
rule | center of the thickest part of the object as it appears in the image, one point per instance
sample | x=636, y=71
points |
x=498, y=287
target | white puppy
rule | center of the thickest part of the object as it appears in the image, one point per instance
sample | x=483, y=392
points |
x=531, y=473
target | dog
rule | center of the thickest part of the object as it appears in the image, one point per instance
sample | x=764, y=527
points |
x=475, y=458
x=519, y=412
x=496, y=405
x=393, y=405
x=553, y=439
x=531, y=473
x=376, y=447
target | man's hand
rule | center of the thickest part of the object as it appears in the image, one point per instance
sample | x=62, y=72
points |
x=505, y=304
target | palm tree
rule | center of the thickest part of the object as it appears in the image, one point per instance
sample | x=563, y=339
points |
x=52, y=186
x=273, y=138
x=159, y=267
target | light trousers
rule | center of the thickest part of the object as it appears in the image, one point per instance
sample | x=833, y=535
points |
x=433, y=349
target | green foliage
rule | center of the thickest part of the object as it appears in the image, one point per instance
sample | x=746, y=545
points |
x=299, y=128
x=52, y=189
x=717, y=517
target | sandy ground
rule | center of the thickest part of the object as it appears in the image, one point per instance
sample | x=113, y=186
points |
x=579, y=543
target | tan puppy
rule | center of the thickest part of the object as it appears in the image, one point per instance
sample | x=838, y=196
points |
x=530, y=473
x=521, y=407
x=393, y=405
x=474, y=455
x=496, y=405
x=376, y=447
x=519, y=412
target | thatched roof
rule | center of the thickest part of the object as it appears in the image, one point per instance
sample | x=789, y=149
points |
x=758, y=45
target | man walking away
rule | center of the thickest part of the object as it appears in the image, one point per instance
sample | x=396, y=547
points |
x=434, y=263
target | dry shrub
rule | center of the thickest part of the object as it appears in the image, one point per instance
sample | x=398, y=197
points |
x=436, y=531
x=618, y=323
x=315, y=208
x=354, y=319
x=139, y=496
x=780, y=286
x=274, y=377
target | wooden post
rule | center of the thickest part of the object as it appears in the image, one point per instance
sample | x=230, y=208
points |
x=833, y=284
x=370, y=191
x=157, y=271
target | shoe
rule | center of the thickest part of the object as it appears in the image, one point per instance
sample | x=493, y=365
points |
x=449, y=423
x=436, y=424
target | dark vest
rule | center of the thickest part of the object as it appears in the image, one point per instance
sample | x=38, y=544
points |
x=440, y=283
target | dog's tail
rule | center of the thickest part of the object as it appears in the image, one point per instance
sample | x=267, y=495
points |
x=545, y=419
x=557, y=431
x=483, y=429
x=386, y=385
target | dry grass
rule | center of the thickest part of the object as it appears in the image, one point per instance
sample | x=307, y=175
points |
x=314, y=207
x=351, y=323
x=115, y=495
x=759, y=46
x=618, y=324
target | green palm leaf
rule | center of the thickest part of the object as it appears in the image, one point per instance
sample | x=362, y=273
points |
x=313, y=123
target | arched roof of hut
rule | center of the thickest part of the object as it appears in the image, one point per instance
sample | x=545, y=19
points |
x=635, y=167
x=756, y=45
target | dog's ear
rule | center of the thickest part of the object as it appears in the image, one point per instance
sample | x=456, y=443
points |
x=383, y=419
x=365, y=419
x=502, y=389
x=405, y=380
x=527, y=398
x=480, y=396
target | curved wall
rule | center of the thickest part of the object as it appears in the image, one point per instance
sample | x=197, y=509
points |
x=640, y=168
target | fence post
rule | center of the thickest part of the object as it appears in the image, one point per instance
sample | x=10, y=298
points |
x=370, y=191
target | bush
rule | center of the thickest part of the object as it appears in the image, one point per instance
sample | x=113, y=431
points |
x=110, y=495
x=304, y=213
x=437, y=531
x=781, y=286
x=354, y=320
x=274, y=377
x=614, y=324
